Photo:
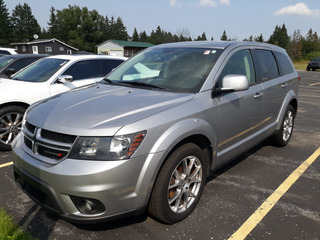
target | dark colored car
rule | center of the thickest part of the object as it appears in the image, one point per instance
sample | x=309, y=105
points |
x=314, y=64
x=10, y=64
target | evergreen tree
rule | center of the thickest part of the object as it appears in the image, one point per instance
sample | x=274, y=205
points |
x=224, y=36
x=53, y=25
x=5, y=25
x=135, y=36
x=25, y=24
x=143, y=36
x=280, y=37
x=203, y=37
x=259, y=38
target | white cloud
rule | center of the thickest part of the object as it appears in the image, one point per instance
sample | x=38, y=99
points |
x=207, y=3
x=173, y=3
x=225, y=2
x=298, y=9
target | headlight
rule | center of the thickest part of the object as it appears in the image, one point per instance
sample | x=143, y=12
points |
x=107, y=148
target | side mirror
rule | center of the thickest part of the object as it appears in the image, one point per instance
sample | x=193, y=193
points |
x=65, y=78
x=232, y=83
x=10, y=71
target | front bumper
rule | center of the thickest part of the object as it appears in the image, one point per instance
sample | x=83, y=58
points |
x=116, y=188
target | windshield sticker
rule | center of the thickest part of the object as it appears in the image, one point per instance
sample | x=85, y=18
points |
x=207, y=52
x=213, y=51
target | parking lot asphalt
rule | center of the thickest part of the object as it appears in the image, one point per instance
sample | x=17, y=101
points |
x=231, y=196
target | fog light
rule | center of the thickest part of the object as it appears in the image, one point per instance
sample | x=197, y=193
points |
x=87, y=205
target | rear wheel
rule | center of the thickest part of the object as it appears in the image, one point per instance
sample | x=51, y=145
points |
x=282, y=137
x=179, y=185
x=10, y=125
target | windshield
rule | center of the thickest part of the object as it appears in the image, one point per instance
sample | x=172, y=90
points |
x=40, y=71
x=4, y=61
x=171, y=69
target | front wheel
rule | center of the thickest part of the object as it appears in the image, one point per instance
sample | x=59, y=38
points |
x=282, y=137
x=179, y=185
x=10, y=125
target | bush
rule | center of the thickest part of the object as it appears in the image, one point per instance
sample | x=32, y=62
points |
x=312, y=55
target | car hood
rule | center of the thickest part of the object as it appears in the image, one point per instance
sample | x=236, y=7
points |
x=100, y=110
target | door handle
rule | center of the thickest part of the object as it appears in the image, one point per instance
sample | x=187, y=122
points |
x=258, y=95
x=284, y=85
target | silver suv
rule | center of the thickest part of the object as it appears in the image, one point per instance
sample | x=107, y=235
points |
x=148, y=135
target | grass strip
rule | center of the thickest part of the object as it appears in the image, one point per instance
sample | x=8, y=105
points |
x=10, y=230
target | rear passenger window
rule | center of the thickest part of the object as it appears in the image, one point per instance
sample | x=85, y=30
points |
x=285, y=66
x=266, y=65
x=109, y=65
x=240, y=63
x=85, y=69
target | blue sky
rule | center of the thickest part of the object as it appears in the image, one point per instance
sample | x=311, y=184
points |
x=239, y=18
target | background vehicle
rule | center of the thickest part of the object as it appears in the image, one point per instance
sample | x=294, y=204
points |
x=150, y=134
x=10, y=64
x=7, y=51
x=314, y=64
x=44, y=78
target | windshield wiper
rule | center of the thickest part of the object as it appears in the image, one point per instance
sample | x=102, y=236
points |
x=142, y=84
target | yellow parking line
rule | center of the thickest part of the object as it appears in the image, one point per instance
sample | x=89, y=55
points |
x=313, y=84
x=262, y=211
x=6, y=164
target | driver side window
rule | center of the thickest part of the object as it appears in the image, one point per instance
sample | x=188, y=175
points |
x=240, y=63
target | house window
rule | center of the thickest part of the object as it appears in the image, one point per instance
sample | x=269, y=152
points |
x=131, y=53
x=61, y=49
x=48, y=49
x=23, y=48
x=69, y=52
x=16, y=47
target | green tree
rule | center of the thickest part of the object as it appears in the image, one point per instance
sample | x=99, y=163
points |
x=259, y=38
x=117, y=30
x=203, y=37
x=24, y=23
x=135, y=36
x=224, y=36
x=53, y=29
x=295, y=46
x=143, y=36
x=5, y=25
x=280, y=37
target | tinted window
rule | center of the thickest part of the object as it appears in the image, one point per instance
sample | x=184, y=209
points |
x=109, y=65
x=266, y=65
x=239, y=63
x=285, y=66
x=4, y=52
x=5, y=60
x=40, y=71
x=21, y=63
x=85, y=69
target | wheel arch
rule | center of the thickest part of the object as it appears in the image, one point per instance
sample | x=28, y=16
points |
x=21, y=104
x=290, y=99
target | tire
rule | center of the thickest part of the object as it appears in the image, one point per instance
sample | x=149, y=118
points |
x=313, y=69
x=308, y=68
x=10, y=125
x=179, y=185
x=282, y=137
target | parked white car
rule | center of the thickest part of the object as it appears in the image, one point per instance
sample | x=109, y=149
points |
x=45, y=78
x=7, y=51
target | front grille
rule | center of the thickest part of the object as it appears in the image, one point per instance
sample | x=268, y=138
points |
x=31, y=128
x=58, y=137
x=52, y=153
x=28, y=143
x=45, y=145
